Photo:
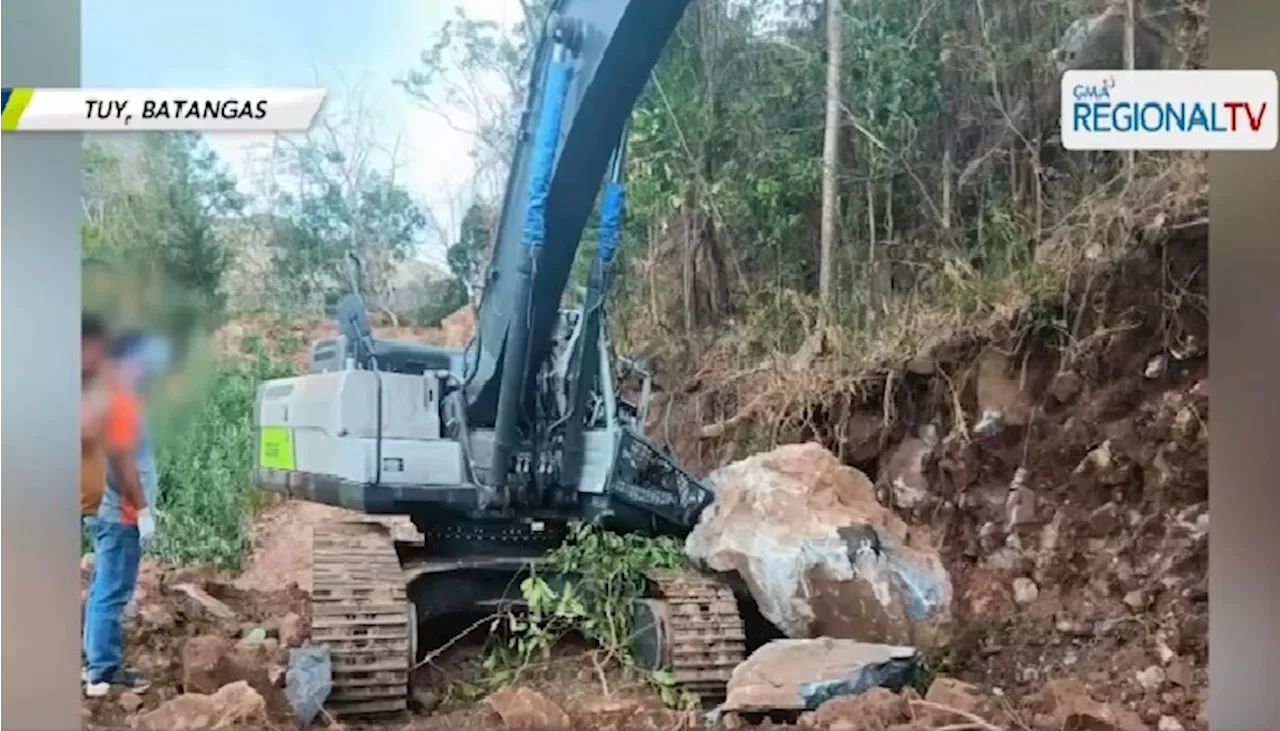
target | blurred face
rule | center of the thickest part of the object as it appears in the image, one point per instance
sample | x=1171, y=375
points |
x=93, y=356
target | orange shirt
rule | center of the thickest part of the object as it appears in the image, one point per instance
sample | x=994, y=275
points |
x=94, y=399
x=121, y=427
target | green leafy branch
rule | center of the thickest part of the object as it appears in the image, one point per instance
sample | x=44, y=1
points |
x=588, y=586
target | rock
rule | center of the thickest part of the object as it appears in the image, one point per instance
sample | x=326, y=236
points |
x=130, y=701
x=794, y=675
x=1169, y=723
x=1001, y=391
x=200, y=601
x=1066, y=386
x=987, y=595
x=525, y=709
x=233, y=706
x=1151, y=678
x=904, y=475
x=158, y=616
x=1066, y=703
x=292, y=630
x=961, y=696
x=922, y=365
x=1025, y=591
x=308, y=681
x=1181, y=673
x=424, y=699
x=819, y=554
x=256, y=634
x=1136, y=600
x=202, y=663
x=1020, y=505
x=1104, y=521
x=252, y=662
x=875, y=708
x=1156, y=367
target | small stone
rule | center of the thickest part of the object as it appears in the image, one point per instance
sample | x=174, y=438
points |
x=1104, y=520
x=1136, y=599
x=292, y=630
x=1020, y=507
x=425, y=699
x=1025, y=591
x=1151, y=678
x=1066, y=385
x=257, y=634
x=1181, y=672
x=1156, y=367
x=1169, y=723
x=526, y=709
x=1073, y=627
x=130, y=701
x=199, y=600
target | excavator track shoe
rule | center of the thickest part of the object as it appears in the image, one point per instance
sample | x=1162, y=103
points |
x=704, y=637
x=360, y=609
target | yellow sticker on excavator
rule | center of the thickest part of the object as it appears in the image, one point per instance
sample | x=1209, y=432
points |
x=275, y=447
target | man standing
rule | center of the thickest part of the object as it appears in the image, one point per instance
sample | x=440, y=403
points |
x=123, y=523
x=94, y=398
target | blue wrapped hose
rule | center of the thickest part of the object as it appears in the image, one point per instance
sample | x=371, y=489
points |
x=610, y=222
x=544, y=151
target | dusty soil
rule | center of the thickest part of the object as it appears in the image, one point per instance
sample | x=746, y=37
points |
x=1075, y=530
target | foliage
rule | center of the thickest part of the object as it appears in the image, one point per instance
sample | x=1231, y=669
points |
x=336, y=202
x=464, y=257
x=205, y=493
x=588, y=587
x=154, y=210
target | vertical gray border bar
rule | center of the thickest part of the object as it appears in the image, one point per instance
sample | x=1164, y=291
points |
x=1244, y=286
x=41, y=292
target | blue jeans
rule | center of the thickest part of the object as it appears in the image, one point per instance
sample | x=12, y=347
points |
x=116, y=553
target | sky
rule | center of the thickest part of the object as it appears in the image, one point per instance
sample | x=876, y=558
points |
x=295, y=43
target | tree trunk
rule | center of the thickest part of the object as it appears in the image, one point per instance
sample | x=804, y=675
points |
x=830, y=154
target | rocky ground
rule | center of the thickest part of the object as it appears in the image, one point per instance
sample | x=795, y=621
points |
x=1070, y=513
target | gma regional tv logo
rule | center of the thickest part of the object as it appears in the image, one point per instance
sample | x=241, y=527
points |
x=1169, y=110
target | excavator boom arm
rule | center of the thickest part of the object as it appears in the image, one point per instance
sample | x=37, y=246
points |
x=592, y=62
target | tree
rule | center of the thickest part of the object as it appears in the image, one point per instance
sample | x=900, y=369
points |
x=155, y=208
x=335, y=192
x=475, y=76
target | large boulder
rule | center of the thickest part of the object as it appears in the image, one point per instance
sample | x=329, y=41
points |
x=819, y=554
x=798, y=675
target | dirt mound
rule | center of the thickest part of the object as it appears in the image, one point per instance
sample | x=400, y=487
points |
x=1062, y=460
x=172, y=609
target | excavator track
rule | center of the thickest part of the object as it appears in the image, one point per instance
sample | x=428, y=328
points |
x=360, y=609
x=704, y=636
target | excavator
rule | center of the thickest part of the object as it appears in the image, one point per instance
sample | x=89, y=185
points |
x=495, y=450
